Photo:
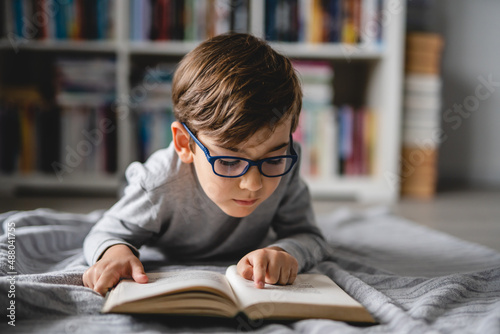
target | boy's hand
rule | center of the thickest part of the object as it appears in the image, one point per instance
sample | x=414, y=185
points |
x=270, y=265
x=117, y=261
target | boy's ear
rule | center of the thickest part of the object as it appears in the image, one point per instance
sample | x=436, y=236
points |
x=181, y=138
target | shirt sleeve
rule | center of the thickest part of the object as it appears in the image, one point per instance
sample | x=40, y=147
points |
x=295, y=227
x=132, y=221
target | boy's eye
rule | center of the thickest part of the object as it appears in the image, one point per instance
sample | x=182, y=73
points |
x=277, y=161
x=229, y=162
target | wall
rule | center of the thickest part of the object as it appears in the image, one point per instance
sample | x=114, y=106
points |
x=470, y=151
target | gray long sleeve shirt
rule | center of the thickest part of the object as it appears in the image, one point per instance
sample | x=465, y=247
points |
x=165, y=206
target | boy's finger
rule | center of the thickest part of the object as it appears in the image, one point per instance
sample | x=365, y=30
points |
x=105, y=282
x=259, y=272
x=284, y=276
x=138, y=273
x=90, y=277
x=86, y=280
x=245, y=269
x=273, y=272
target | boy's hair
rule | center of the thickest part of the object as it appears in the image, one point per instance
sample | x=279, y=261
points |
x=233, y=85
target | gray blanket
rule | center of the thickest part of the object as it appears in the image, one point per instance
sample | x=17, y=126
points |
x=411, y=279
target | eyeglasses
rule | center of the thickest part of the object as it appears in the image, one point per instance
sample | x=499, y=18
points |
x=227, y=166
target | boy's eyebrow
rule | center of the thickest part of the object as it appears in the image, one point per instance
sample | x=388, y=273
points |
x=236, y=150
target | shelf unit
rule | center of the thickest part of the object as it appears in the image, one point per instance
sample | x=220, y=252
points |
x=383, y=93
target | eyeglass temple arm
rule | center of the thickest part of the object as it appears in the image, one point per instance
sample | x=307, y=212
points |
x=200, y=145
x=291, y=145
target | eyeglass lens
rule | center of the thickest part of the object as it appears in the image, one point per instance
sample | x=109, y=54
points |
x=236, y=167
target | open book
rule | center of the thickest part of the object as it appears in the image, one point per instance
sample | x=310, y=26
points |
x=207, y=293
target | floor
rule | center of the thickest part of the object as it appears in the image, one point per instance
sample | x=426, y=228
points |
x=473, y=215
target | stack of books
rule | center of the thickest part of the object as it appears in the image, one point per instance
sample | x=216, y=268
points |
x=421, y=120
x=29, y=131
x=86, y=94
x=53, y=19
x=186, y=20
x=336, y=141
x=67, y=127
x=317, y=124
x=153, y=110
x=324, y=21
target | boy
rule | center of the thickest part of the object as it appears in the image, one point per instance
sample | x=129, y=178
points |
x=226, y=180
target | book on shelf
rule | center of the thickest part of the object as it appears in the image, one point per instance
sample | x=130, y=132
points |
x=324, y=21
x=9, y=138
x=208, y=293
x=59, y=20
x=186, y=20
x=357, y=139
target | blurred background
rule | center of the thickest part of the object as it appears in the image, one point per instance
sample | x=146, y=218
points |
x=401, y=99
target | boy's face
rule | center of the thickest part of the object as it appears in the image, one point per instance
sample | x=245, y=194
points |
x=240, y=196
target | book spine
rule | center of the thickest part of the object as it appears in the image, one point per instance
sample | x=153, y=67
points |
x=239, y=16
x=48, y=130
x=50, y=19
x=270, y=20
x=179, y=14
x=18, y=17
x=145, y=20
x=189, y=20
x=222, y=16
x=10, y=138
x=110, y=140
x=27, y=158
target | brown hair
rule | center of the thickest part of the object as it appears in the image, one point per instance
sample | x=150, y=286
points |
x=233, y=85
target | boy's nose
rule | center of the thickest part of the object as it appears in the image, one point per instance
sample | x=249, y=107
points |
x=252, y=180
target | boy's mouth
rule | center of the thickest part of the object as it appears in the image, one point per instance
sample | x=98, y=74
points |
x=247, y=202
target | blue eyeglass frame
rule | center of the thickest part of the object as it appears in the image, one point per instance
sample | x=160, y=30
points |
x=258, y=163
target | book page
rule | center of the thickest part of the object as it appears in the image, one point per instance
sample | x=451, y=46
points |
x=168, y=282
x=314, y=290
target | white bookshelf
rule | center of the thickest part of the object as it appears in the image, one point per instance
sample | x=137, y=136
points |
x=383, y=93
